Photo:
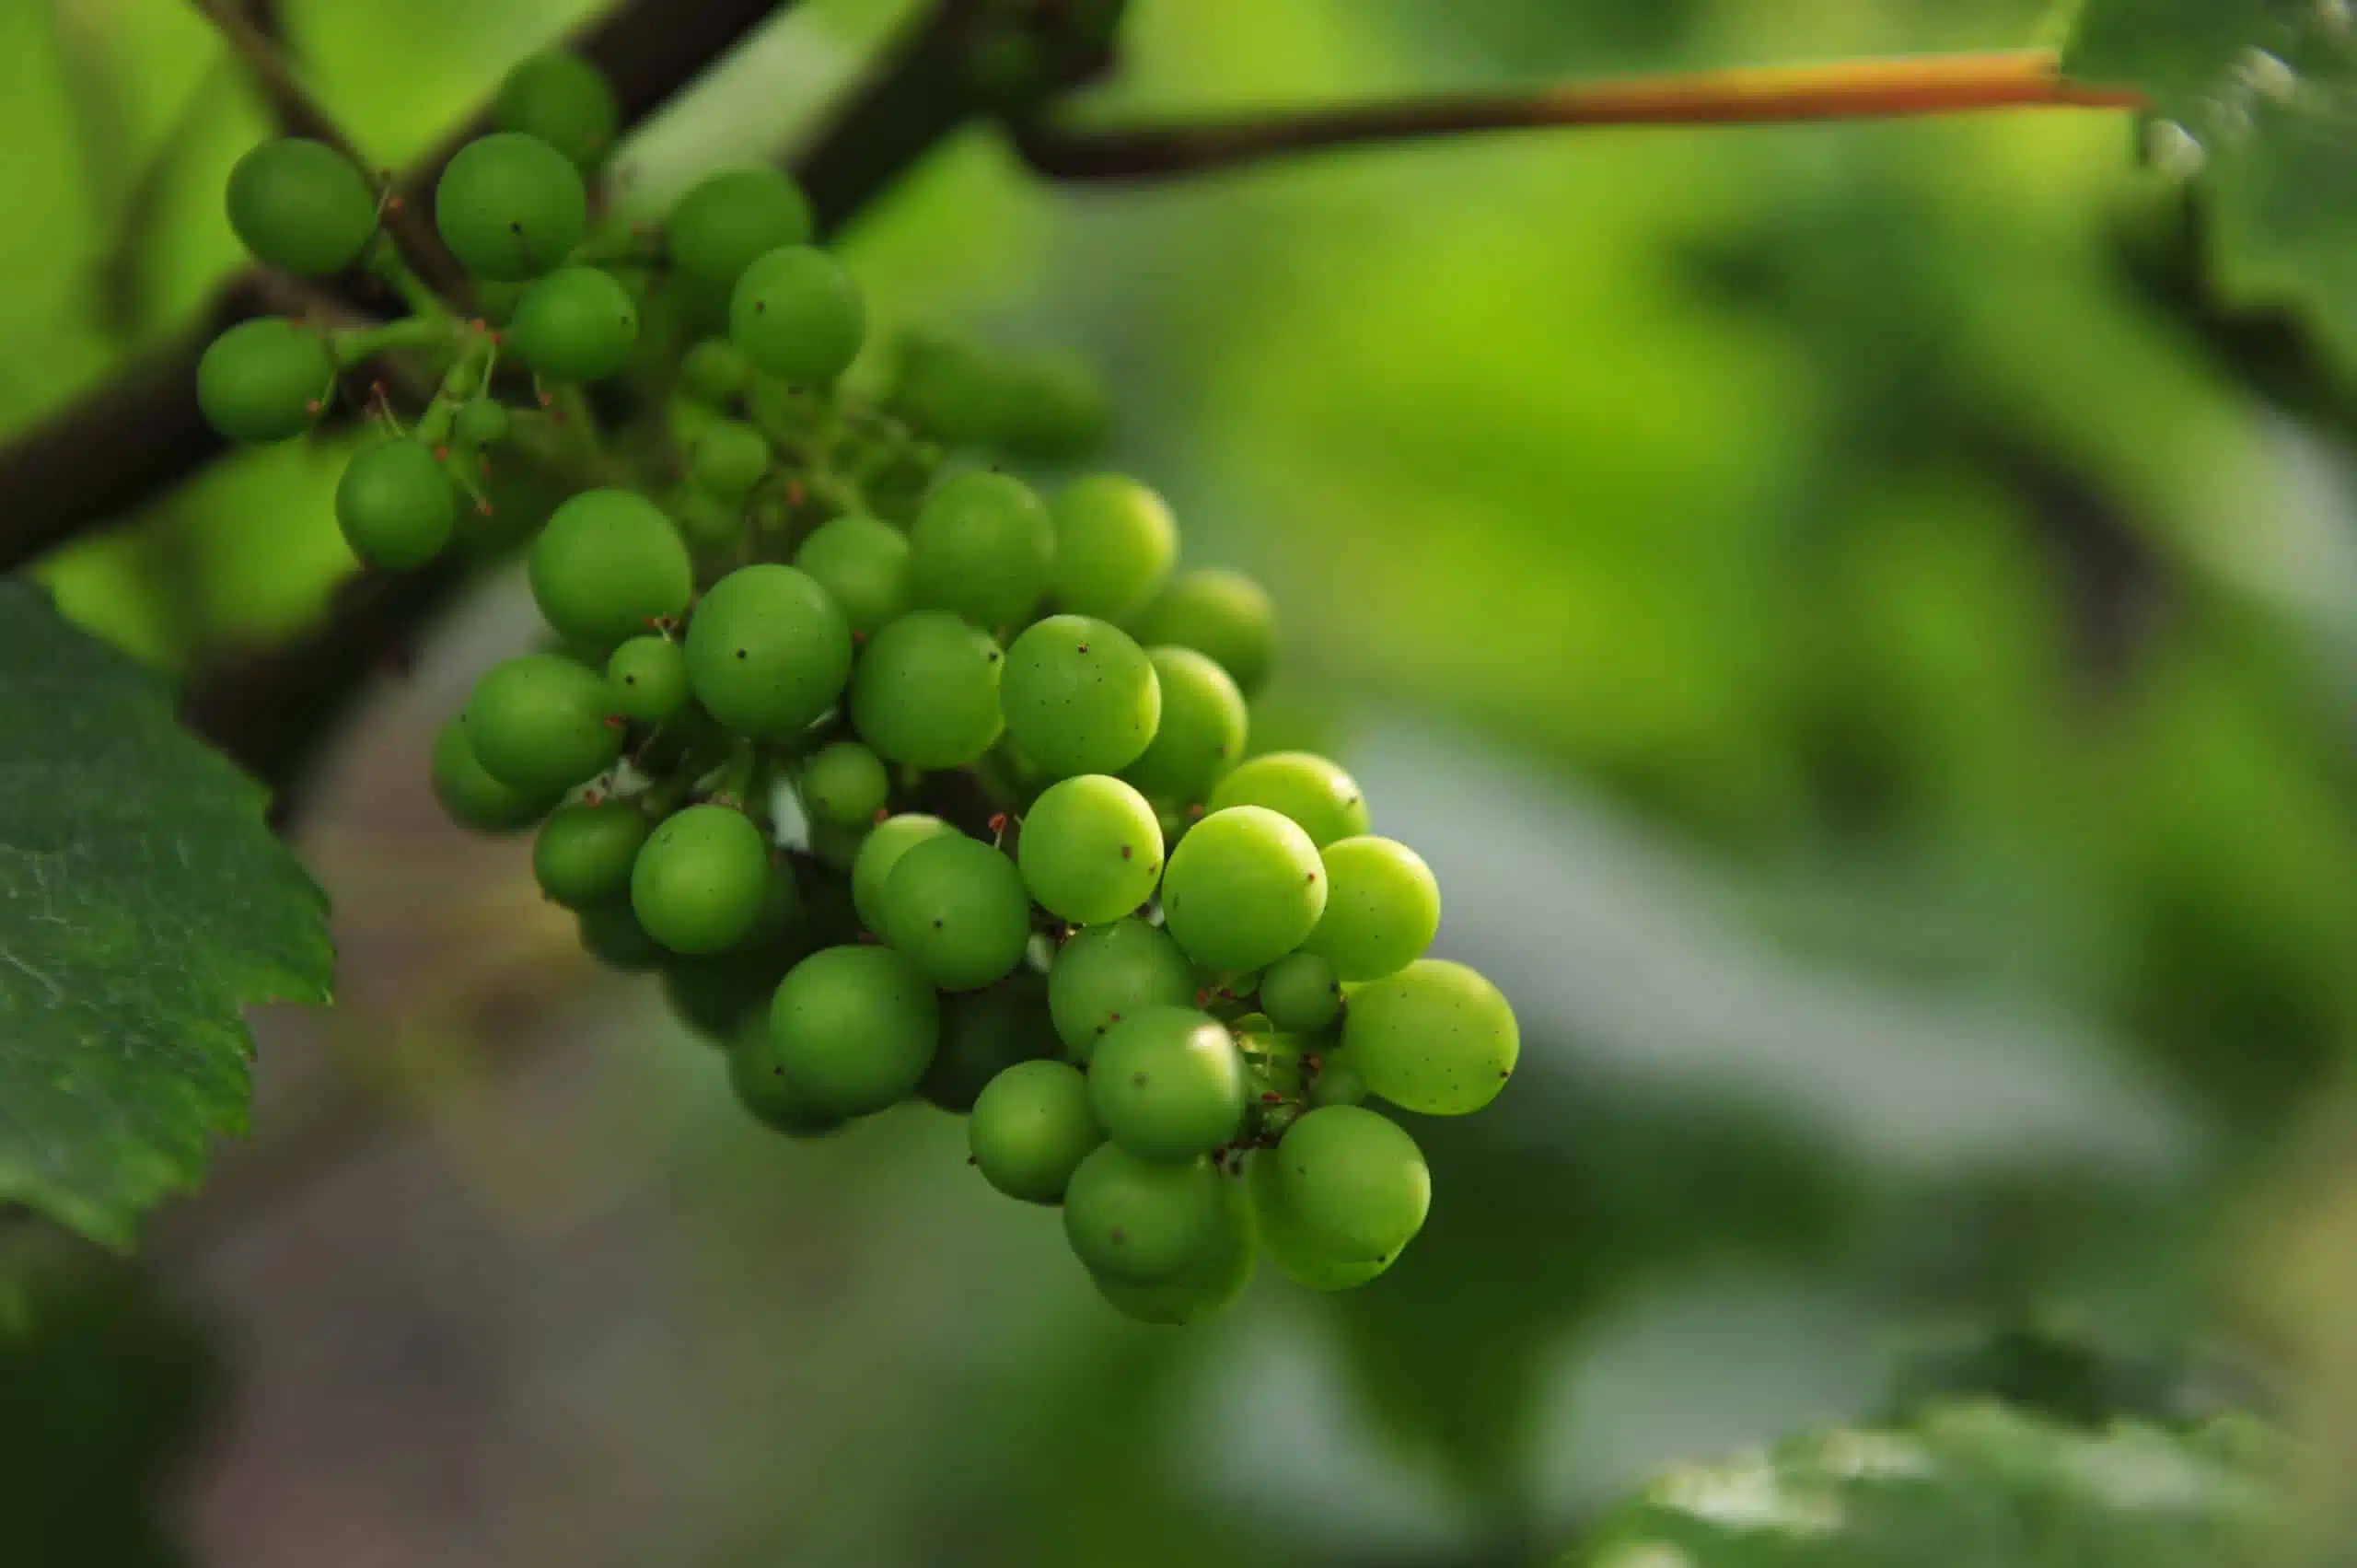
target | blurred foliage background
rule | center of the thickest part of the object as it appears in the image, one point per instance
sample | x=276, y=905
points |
x=1878, y=688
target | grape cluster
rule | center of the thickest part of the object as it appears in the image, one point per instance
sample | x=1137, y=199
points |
x=907, y=781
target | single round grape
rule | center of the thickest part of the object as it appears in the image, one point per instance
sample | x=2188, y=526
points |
x=646, y=680
x=1351, y=1184
x=855, y=1029
x=583, y=852
x=726, y=219
x=716, y=996
x=607, y=565
x=1050, y=405
x=1201, y=732
x=1106, y=973
x=1437, y=1038
x=1316, y=792
x=1141, y=1222
x=1115, y=546
x=700, y=883
x=1382, y=908
x=983, y=547
x=1224, y=614
x=729, y=458
x=1032, y=1128
x=945, y=388
x=716, y=372
x=566, y=101
x=263, y=380
x=982, y=1034
x=1079, y=696
x=1091, y=850
x=925, y=693
x=475, y=799
x=576, y=324
x=844, y=784
x=301, y=205
x=879, y=852
x=1168, y=1084
x=480, y=422
x=958, y=908
x=395, y=505
x=864, y=564
x=1337, y=1082
x=610, y=934
x=538, y=724
x=1213, y=1281
x=764, y=1088
x=1290, y=1248
x=768, y=652
x=510, y=206
x=1300, y=992
x=1242, y=889
x=798, y=315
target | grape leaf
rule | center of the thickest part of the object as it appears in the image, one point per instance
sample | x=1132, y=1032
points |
x=2257, y=99
x=142, y=902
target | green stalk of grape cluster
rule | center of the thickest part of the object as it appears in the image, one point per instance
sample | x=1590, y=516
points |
x=908, y=781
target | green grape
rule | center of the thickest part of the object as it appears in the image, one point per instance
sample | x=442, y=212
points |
x=1115, y=545
x=1141, y=1222
x=576, y=324
x=1091, y=850
x=1168, y=1084
x=1351, y=1186
x=1299, y=992
x=611, y=933
x=1382, y=908
x=301, y=205
x=726, y=220
x=1242, y=889
x=1032, y=1128
x=879, y=852
x=844, y=784
x=1203, y=730
x=958, y=908
x=1106, y=973
x=583, y=852
x=837, y=845
x=925, y=693
x=1222, y=614
x=646, y=680
x=1316, y=792
x=1050, y=405
x=864, y=563
x=1287, y=1246
x=474, y=798
x=538, y=724
x=510, y=206
x=608, y=565
x=707, y=522
x=798, y=315
x=945, y=388
x=982, y=1034
x=1079, y=696
x=480, y=422
x=701, y=881
x=1338, y=1083
x=1213, y=1281
x=718, y=994
x=566, y=101
x=764, y=1088
x=263, y=380
x=395, y=505
x=729, y=458
x=1437, y=1038
x=855, y=1029
x=768, y=652
x=981, y=546
x=716, y=372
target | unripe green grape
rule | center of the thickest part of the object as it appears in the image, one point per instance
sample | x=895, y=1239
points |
x=1437, y=1038
x=879, y=852
x=1337, y=1082
x=395, y=505
x=1115, y=546
x=1210, y=1284
x=925, y=693
x=576, y=324
x=472, y=797
x=301, y=205
x=1031, y=1129
x=566, y=101
x=480, y=422
x=1079, y=696
x=798, y=315
x=263, y=380
x=956, y=907
x=835, y=844
x=1106, y=973
x=610, y=934
x=762, y=1087
x=1382, y=908
x=700, y=882
x=1314, y=792
x=844, y=784
x=1202, y=729
x=538, y=722
x=855, y=1029
x=945, y=388
x=983, y=547
x=583, y=852
x=1287, y=1247
x=1300, y=993
x=646, y=680
x=510, y=206
x=1141, y=1222
x=1168, y=1084
x=718, y=994
x=729, y=458
x=1222, y=614
x=1351, y=1185
x=1242, y=889
x=608, y=565
x=864, y=564
x=706, y=521
x=1091, y=850
x=723, y=222
x=716, y=371
x=768, y=652
x=982, y=1034
x=1050, y=405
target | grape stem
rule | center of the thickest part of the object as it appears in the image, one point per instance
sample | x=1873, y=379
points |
x=351, y=345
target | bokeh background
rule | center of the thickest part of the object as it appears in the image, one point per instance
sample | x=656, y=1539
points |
x=1874, y=677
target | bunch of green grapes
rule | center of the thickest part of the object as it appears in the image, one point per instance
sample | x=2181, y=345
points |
x=907, y=781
